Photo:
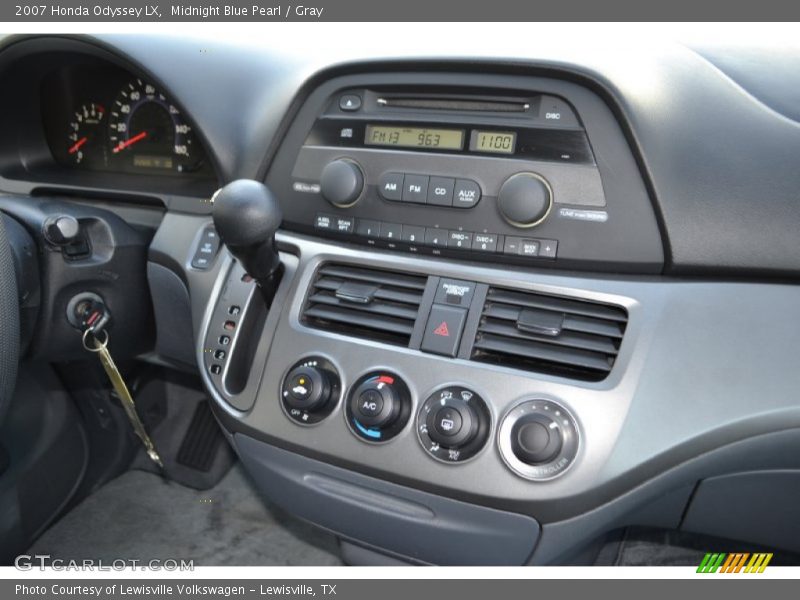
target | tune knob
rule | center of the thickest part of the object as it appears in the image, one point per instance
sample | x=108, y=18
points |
x=378, y=406
x=525, y=199
x=310, y=389
x=341, y=182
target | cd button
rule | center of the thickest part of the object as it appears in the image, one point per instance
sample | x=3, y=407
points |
x=415, y=189
x=440, y=191
x=390, y=186
x=467, y=193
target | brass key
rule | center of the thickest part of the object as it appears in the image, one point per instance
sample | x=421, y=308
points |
x=101, y=349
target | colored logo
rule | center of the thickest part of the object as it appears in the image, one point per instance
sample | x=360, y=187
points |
x=737, y=562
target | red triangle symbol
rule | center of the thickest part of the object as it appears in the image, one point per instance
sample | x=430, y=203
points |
x=442, y=330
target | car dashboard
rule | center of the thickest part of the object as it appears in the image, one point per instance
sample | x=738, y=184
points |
x=528, y=295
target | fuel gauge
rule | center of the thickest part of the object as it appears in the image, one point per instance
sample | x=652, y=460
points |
x=86, y=141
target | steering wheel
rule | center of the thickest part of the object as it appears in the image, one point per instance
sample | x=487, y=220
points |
x=9, y=323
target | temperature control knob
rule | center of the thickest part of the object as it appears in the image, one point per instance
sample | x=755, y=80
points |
x=341, y=182
x=525, y=199
x=310, y=390
x=378, y=406
x=454, y=424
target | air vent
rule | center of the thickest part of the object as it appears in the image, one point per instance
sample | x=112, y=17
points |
x=549, y=334
x=364, y=303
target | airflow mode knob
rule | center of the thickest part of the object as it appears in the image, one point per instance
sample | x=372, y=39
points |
x=454, y=424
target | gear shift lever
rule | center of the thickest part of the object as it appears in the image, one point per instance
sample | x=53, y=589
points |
x=246, y=216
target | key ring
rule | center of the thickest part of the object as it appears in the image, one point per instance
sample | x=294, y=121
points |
x=102, y=346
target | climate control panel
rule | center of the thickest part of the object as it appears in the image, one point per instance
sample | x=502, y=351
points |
x=538, y=440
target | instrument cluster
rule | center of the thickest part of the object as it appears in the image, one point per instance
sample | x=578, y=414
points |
x=103, y=118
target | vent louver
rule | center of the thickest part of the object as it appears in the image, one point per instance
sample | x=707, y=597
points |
x=364, y=303
x=548, y=334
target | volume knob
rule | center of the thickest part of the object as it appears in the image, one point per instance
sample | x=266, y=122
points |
x=341, y=182
x=525, y=199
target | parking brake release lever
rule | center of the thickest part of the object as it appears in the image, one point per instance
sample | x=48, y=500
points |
x=246, y=216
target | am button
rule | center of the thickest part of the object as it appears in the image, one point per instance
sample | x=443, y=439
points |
x=390, y=186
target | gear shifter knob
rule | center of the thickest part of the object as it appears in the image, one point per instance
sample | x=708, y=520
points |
x=246, y=216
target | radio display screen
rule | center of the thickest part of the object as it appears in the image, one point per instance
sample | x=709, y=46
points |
x=500, y=142
x=414, y=137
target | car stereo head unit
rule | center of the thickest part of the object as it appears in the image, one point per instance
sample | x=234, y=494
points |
x=474, y=173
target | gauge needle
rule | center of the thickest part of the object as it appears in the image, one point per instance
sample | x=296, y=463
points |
x=122, y=145
x=76, y=146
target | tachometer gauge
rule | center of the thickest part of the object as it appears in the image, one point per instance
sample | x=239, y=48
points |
x=146, y=131
x=85, y=138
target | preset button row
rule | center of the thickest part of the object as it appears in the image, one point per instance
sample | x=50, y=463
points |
x=437, y=237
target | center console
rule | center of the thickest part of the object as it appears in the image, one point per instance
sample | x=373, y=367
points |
x=432, y=377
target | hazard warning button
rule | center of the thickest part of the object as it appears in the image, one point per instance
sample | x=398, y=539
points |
x=443, y=330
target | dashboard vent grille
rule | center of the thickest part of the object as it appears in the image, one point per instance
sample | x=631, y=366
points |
x=549, y=334
x=365, y=303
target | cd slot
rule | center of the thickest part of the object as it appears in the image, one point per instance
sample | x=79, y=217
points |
x=453, y=104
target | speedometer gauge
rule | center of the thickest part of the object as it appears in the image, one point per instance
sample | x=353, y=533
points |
x=147, y=131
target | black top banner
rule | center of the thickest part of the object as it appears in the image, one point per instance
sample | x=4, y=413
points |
x=72, y=11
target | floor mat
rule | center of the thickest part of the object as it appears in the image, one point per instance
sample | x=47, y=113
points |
x=641, y=546
x=186, y=435
x=141, y=516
